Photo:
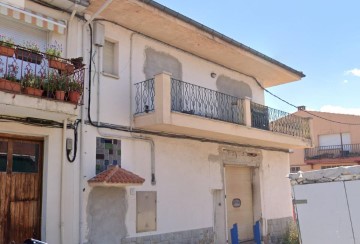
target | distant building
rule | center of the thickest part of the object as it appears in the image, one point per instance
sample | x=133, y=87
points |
x=335, y=144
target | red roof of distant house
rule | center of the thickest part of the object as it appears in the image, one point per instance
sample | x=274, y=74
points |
x=116, y=176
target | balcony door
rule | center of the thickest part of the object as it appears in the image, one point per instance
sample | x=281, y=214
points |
x=20, y=189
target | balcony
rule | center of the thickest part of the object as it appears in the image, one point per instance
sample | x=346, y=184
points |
x=332, y=153
x=36, y=84
x=169, y=105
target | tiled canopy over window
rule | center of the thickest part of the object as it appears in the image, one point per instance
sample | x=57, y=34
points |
x=108, y=152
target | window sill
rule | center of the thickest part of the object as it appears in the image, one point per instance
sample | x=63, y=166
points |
x=110, y=75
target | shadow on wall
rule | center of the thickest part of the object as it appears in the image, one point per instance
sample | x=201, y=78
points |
x=106, y=211
x=157, y=62
x=233, y=87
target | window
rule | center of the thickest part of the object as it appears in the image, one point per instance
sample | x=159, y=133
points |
x=334, y=140
x=110, y=58
x=145, y=211
x=294, y=169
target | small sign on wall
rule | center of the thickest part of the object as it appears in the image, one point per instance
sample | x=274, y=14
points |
x=236, y=203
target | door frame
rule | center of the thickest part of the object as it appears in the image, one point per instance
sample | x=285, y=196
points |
x=40, y=141
x=225, y=192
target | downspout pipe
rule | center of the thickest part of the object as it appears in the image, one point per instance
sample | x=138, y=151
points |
x=133, y=136
x=83, y=130
x=63, y=162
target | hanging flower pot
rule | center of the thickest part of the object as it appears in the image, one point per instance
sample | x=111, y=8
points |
x=8, y=85
x=60, y=95
x=28, y=56
x=7, y=51
x=61, y=65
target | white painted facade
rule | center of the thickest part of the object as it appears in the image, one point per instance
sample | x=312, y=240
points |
x=187, y=172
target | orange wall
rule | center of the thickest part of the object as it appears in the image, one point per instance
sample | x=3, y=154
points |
x=323, y=127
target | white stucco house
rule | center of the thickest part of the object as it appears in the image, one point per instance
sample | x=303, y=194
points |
x=170, y=142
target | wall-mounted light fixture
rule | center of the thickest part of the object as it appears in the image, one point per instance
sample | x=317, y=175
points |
x=213, y=75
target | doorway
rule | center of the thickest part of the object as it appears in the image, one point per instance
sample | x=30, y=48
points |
x=239, y=201
x=20, y=188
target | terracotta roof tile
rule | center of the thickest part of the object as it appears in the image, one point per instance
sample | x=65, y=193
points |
x=116, y=176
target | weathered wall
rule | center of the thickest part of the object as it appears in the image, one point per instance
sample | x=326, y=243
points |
x=276, y=189
x=145, y=58
x=233, y=87
x=157, y=62
x=106, y=212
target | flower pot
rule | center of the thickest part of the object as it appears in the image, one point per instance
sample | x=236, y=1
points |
x=74, y=96
x=60, y=95
x=10, y=85
x=28, y=56
x=33, y=91
x=60, y=65
x=7, y=51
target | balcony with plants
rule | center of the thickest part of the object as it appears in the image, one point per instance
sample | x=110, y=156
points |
x=170, y=105
x=26, y=71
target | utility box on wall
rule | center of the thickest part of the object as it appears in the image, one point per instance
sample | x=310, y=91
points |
x=99, y=34
x=145, y=211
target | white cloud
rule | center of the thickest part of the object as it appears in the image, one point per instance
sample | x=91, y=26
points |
x=340, y=110
x=345, y=81
x=355, y=72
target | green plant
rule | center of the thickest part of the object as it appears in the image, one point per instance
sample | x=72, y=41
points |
x=292, y=235
x=6, y=41
x=75, y=86
x=12, y=73
x=53, y=51
x=31, y=80
x=50, y=83
x=62, y=83
x=31, y=46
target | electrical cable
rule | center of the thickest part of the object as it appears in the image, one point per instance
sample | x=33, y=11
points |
x=305, y=111
x=68, y=151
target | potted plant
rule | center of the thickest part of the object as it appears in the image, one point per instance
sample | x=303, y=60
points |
x=10, y=82
x=29, y=53
x=49, y=84
x=7, y=47
x=33, y=85
x=60, y=86
x=75, y=90
x=53, y=54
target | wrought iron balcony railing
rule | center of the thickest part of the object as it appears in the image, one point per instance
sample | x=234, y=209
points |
x=192, y=99
x=195, y=100
x=144, y=97
x=34, y=73
x=266, y=118
x=334, y=151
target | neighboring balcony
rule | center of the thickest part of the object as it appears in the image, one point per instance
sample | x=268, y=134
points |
x=333, y=153
x=170, y=105
x=36, y=84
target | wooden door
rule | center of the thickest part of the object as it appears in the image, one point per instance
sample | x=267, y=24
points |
x=239, y=204
x=20, y=189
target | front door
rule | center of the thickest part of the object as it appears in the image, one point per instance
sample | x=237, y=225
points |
x=20, y=189
x=239, y=203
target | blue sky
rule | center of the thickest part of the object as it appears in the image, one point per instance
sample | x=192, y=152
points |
x=320, y=38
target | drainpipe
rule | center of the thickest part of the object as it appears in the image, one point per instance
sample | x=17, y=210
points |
x=63, y=162
x=83, y=117
x=133, y=136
